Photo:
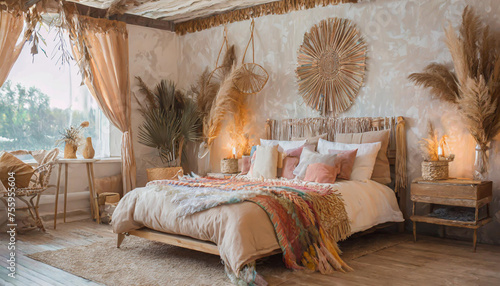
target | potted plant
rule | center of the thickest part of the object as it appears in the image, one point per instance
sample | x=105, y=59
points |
x=171, y=119
x=72, y=138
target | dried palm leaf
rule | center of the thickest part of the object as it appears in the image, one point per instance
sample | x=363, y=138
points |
x=148, y=93
x=477, y=108
x=225, y=103
x=206, y=87
x=440, y=79
x=470, y=33
x=170, y=119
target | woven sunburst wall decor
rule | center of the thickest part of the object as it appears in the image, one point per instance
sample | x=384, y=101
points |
x=331, y=65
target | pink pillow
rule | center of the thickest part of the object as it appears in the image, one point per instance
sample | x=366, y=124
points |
x=245, y=164
x=297, y=151
x=292, y=160
x=252, y=160
x=321, y=173
x=345, y=162
x=289, y=164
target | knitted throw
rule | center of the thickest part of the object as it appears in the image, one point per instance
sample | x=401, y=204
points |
x=308, y=219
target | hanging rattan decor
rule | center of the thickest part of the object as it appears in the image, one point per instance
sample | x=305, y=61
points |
x=250, y=78
x=331, y=65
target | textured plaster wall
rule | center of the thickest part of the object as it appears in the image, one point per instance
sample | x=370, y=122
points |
x=153, y=56
x=402, y=36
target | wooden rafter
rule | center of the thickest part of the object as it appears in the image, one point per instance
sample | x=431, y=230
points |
x=127, y=18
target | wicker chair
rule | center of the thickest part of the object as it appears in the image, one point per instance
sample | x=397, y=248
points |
x=38, y=184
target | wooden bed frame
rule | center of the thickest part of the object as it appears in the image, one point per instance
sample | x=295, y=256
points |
x=377, y=123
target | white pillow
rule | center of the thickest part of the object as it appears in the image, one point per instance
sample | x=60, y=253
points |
x=285, y=145
x=310, y=157
x=265, y=164
x=365, y=157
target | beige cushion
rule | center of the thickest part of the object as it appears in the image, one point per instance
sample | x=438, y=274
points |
x=311, y=140
x=265, y=164
x=381, y=171
x=10, y=163
x=364, y=163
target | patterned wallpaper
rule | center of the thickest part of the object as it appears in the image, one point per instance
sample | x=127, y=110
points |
x=402, y=37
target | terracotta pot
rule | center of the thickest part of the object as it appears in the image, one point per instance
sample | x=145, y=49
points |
x=88, y=151
x=70, y=151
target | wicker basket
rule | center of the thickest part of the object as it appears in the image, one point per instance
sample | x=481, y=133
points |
x=229, y=166
x=435, y=170
x=171, y=173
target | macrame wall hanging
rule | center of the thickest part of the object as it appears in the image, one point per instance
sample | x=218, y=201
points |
x=331, y=65
x=250, y=78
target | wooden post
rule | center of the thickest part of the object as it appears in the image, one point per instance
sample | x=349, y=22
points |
x=57, y=194
x=121, y=237
x=65, y=189
x=414, y=224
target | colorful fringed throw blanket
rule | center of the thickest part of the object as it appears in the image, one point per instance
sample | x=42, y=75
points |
x=308, y=219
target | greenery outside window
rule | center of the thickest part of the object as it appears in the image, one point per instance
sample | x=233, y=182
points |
x=41, y=97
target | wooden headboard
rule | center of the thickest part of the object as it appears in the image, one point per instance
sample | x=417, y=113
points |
x=286, y=129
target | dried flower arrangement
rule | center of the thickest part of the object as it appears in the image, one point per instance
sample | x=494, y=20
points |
x=432, y=148
x=435, y=164
x=73, y=135
x=72, y=138
x=473, y=87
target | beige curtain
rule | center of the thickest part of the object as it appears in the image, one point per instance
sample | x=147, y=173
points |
x=108, y=80
x=11, y=27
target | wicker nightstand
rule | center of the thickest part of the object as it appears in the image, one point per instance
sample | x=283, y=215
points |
x=452, y=192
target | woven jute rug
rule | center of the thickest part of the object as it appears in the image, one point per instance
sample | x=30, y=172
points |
x=142, y=262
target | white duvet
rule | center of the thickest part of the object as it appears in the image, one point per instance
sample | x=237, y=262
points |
x=243, y=231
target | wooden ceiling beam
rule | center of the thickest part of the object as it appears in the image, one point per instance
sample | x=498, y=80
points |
x=127, y=18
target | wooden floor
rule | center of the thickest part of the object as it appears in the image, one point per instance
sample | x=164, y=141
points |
x=430, y=261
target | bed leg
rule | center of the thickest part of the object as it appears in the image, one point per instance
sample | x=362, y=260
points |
x=121, y=236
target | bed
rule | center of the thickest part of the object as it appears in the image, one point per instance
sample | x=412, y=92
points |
x=242, y=233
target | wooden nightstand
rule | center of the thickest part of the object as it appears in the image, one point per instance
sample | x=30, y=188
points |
x=452, y=192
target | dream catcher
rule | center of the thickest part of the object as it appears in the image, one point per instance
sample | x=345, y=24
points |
x=331, y=65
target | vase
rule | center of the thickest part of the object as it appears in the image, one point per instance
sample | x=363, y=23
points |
x=88, y=151
x=481, y=163
x=70, y=150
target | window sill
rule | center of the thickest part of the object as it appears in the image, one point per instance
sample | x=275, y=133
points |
x=104, y=160
x=109, y=160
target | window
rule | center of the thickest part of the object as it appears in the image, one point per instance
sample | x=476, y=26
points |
x=41, y=97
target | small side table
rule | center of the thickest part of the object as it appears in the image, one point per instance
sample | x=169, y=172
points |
x=94, y=207
x=452, y=192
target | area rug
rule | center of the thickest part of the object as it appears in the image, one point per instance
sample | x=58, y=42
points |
x=142, y=262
